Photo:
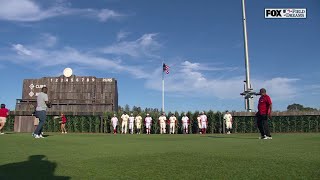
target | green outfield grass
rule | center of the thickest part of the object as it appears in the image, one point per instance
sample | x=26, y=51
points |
x=106, y=156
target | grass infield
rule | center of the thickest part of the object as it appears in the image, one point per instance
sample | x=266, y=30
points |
x=210, y=156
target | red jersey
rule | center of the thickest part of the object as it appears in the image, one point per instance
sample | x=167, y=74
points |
x=63, y=119
x=264, y=104
x=4, y=112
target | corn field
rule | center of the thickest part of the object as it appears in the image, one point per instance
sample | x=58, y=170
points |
x=245, y=124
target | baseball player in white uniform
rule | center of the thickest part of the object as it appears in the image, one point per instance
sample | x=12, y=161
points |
x=228, y=120
x=173, y=122
x=148, y=122
x=199, y=123
x=204, y=122
x=131, y=123
x=138, y=123
x=162, y=122
x=185, y=123
x=114, y=122
x=124, y=124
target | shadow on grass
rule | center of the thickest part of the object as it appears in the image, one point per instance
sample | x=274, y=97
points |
x=36, y=167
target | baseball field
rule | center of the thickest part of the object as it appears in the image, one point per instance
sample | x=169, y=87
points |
x=209, y=156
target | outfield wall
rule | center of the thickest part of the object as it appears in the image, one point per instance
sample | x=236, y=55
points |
x=243, y=122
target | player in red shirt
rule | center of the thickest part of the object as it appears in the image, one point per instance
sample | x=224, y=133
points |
x=63, y=123
x=4, y=113
x=264, y=112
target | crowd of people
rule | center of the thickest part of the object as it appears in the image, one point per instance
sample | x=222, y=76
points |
x=135, y=123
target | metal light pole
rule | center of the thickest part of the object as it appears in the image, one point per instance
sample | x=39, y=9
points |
x=248, y=91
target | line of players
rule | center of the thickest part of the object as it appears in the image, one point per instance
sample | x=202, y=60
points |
x=163, y=121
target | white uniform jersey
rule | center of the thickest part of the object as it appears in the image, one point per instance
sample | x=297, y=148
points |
x=125, y=117
x=203, y=118
x=199, y=119
x=162, y=119
x=185, y=119
x=41, y=101
x=114, y=120
x=138, y=119
x=148, y=120
x=172, y=119
x=131, y=119
x=227, y=117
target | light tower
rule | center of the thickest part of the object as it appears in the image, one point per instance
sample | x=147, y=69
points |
x=248, y=91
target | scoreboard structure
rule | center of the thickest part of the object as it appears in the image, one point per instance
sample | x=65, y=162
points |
x=83, y=95
x=74, y=95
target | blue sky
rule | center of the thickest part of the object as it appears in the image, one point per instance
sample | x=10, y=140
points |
x=201, y=41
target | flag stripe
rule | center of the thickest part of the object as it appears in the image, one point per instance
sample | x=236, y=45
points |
x=166, y=68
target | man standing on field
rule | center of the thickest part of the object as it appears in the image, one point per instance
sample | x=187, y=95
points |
x=228, y=121
x=185, y=123
x=204, y=122
x=131, y=122
x=199, y=124
x=162, y=122
x=4, y=113
x=264, y=112
x=138, y=123
x=148, y=122
x=41, y=111
x=173, y=122
x=114, y=121
x=124, y=124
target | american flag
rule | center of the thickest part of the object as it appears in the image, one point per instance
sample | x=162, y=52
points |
x=166, y=68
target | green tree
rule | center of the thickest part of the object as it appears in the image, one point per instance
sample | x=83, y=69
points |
x=295, y=107
x=299, y=107
x=127, y=108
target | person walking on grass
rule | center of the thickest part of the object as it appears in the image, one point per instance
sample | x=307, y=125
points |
x=131, y=123
x=162, y=122
x=204, y=122
x=148, y=123
x=138, y=120
x=4, y=113
x=228, y=121
x=185, y=123
x=124, y=123
x=41, y=111
x=63, y=124
x=263, y=114
x=114, y=122
x=173, y=123
x=199, y=124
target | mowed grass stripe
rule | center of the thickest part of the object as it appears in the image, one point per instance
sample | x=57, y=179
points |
x=106, y=156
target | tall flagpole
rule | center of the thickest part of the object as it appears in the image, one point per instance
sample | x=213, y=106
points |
x=248, y=91
x=162, y=87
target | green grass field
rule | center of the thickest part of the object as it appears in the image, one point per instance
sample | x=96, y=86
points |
x=106, y=156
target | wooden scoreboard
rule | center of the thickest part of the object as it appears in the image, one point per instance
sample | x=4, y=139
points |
x=77, y=95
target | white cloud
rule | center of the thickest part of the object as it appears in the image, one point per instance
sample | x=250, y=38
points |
x=106, y=14
x=144, y=46
x=30, y=11
x=204, y=67
x=69, y=56
x=187, y=78
x=48, y=40
x=121, y=35
x=280, y=87
x=20, y=49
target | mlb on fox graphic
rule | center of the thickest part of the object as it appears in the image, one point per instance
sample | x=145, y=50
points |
x=292, y=13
